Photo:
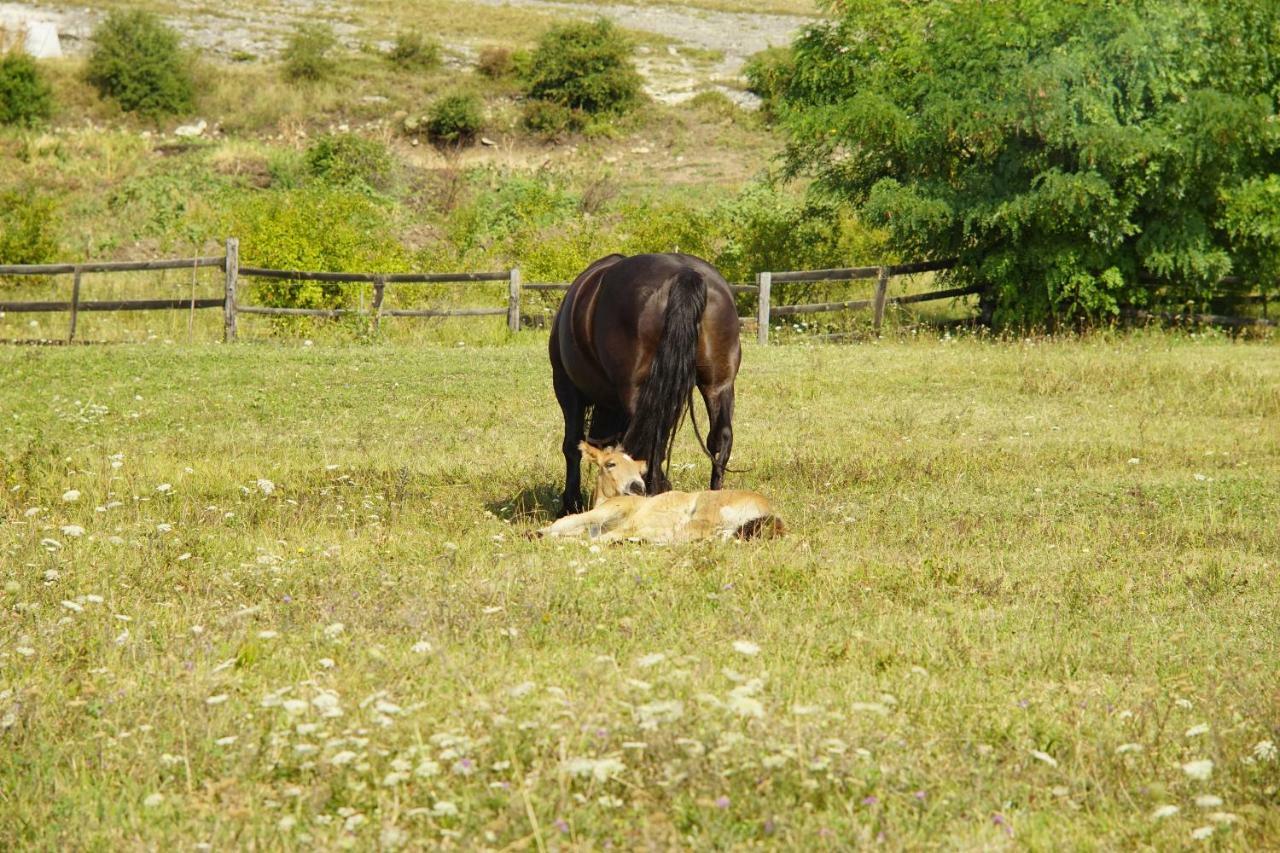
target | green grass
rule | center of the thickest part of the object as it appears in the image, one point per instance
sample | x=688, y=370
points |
x=996, y=551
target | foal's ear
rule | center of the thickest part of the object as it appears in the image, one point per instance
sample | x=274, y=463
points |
x=590, y=452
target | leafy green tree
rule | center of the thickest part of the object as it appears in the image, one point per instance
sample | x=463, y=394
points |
x=1068, y=154
x=138, y=61
x=583, y=66
x=25, y=96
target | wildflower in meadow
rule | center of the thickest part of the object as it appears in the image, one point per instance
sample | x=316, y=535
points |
x=651, y=660
x=1264, y=750
x=1166, y=810
x=70, y=496
x=153, y=800
x=217, y=700
x=1199, y=770
x=746, y=647
x=1128, y=747
x=1045, y=757
x=1208, y=801
x=1202, y=833
x=1198, y=729
x=164, y=488
x=73, y=530
x=334, y=630
x=266, y=486
x=341, y=758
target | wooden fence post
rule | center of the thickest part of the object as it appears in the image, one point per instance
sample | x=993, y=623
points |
x=75, y=304
x=513, y=300
x=764, y=282
x=232, y=267
x=379, y=284
x=877, y=305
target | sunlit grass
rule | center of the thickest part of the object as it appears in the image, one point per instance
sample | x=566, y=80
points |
x=279, y=595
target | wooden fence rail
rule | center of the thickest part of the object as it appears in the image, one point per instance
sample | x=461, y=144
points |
x=877, y=303
x=233, y=272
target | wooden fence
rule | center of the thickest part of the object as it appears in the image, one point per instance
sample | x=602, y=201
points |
x=234, y=272
x=766, y=280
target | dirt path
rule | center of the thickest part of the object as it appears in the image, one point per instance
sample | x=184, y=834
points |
x=722, y=41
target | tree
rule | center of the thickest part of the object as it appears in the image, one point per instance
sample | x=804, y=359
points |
x=138, y=61
x=1068, y=154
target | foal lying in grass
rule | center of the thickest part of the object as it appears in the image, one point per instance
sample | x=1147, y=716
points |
x=621, y=511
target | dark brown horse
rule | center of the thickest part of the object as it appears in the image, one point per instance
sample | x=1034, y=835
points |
x=631, y=340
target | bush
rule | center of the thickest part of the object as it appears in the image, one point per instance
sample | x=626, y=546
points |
x=550, y=119
x=1062, y=152
x=316, y=228
x=414, y=51
x=768, y=74
x=25, y=96
x=137, y=60
x=455, y=119
x=496, y=63
x=347, y=159
x=28, y=233
x=308, y=54
x=583, y=66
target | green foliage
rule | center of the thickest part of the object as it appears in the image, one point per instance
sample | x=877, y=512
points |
x=414, y=51
x=348, y=159
x=308, y=54
x=28, y=228
x=314, y=228
x=25, y=96
x=550, y=120
x=584, y=66
x=1066, y=154
x=768, y=74
x=455, y=119
x=496, y=63
x=137, y=60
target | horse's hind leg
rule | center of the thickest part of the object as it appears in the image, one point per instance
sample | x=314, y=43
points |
x=719, y=429
x=574, y=408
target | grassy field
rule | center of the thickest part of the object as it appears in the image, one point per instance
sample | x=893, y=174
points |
x=282, y=596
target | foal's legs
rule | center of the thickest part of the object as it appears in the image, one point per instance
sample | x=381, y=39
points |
x=574, y=408
x=719, y=429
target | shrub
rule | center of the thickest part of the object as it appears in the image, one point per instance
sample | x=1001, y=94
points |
x=550, y=119
x=454, y=119
x=1063, y=153
x=28, y=234
x=496, y=63
x=308, y=54
x=585, y=66
x=137, y=60
x=25, y=96
x=768, y=74
x=315, y=228
x=345, y=159
x=414, y=51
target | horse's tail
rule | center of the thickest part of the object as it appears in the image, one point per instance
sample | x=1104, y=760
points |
x=672, y=376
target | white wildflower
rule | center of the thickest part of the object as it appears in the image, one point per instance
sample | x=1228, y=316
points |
x=1183, y=703
x=217, y=700
x=286, y=823
x=1198, y=729
x=1202, y=833
x=332, y=631
x=268, y=635
x=651, y=715
x=70, y=496
x=421, y=647
x=746, y=647
x=73, y=530
x=25, y=651
x=327, y=704
x=325, y=663
x=153, y=800
x=1167, y=810
x=1199, y=770
x=72, y=606
x=444, y=808
x=164, y=488
x=294, y=707
x=1224, y=817
x=266, y=486
x=1208, y=801
x=872, y=707
x=600, y=769
x=744, y=705
x=651, y=660
x=524, y=688
x=1045, y=757
x=227, y=741
x=1264, y=750
x=426, y=769
x=341, y=758
x=1128, y=747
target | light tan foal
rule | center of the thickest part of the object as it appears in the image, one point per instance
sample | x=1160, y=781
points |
x=620, y=510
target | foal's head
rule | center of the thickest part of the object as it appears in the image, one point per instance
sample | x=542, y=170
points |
x=619, y=473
